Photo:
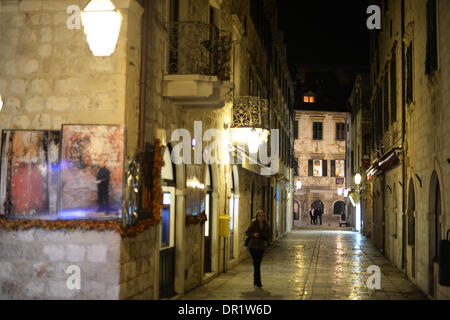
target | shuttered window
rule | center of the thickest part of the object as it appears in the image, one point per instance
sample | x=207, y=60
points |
x=310, y=168
x=432, y=57
x=393, y=89
x=409, y=76
x=386, y=102
x=333, y=168
x=340, y=131
x=324, y=168
x=317, y=130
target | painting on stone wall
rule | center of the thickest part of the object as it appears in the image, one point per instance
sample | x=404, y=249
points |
x=29, y=174
x=196, y=193
x=91, y=172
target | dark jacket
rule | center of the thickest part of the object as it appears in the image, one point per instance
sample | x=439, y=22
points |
x=103, y=176
x=264, y=236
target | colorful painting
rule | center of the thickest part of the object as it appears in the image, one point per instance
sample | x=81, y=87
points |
x=29, y=173
x=196, y=193
x=340, y=168
x=317, y=167
x=91, y=172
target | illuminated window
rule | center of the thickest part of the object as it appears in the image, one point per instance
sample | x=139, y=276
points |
x=308, y=99
x=317, y=168
x=340, y=168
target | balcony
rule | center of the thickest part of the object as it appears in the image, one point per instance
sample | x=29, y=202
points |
x=198, y=73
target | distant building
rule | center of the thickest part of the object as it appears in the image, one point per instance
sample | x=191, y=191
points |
x=320, y=147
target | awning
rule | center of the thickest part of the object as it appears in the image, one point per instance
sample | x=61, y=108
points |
x=384, y=163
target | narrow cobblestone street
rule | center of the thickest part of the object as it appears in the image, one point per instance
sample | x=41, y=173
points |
x=312, y=264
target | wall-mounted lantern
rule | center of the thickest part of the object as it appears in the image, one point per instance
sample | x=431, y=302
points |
x=358, y=179
x=101, y=24
x=1, y=103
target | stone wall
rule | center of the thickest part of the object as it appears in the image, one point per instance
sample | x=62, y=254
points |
x=137, y=266
x=194, y=267
x=426, y=146
x=33, y=264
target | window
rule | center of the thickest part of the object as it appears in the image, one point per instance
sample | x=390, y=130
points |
x=333, y=168
x=317, y=168
x=340, y=131
x=340, y=168
x=296, y=129
x=386, y=103
x=317, y=130
x=308, y=99
x=393, y=89
x=432, y=57
x=409, y=74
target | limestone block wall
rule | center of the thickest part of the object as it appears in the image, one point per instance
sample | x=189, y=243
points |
x=49, y=77
x=33, y=264
x=427, y=132
x=138, y=266
x=193, y=239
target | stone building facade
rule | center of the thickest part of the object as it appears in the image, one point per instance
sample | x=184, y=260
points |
x=404, y=191
x=321, y=151
x=158, y=79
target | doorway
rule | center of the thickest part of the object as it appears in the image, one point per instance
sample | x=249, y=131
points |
x=209, y=222
x=234, y=212
x=434, y=232
x=167, y=230
x=412, y=227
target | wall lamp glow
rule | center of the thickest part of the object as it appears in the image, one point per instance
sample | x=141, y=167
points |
x=253, y=141
x=346, y=193
x=298, y=185
x=102, y=26
x=340, y=191
x=358, y=179
x=1, y=103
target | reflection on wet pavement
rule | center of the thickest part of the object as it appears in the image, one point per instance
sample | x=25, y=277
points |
x=312, y=264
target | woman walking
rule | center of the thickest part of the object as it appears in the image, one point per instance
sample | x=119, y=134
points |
x=259, y=234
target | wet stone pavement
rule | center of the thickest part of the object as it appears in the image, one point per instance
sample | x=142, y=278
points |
x=312, y=264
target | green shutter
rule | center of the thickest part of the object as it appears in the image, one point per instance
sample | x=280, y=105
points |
x=310, y=168
x=333, y=168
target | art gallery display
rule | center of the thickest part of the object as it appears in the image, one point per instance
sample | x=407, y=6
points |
x=91, y=171
x=29, y=173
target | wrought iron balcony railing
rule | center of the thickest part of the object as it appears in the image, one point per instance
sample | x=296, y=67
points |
x=198, y=48
x=250, y=112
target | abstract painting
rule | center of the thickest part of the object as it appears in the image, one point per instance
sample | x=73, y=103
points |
x=29, y=173
x=91, y=171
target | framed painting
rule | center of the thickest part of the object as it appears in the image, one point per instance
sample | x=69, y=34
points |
x=91, y=177
x=29, y=174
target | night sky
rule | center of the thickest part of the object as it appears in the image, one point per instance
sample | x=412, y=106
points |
x=331, y=32
x=332, y=35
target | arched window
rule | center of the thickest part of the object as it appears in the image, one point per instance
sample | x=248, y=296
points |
x=339, y=207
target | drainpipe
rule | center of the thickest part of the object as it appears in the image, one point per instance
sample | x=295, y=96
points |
x=403, y=137
x=143, y=77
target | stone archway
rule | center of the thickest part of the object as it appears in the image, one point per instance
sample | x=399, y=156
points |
x=434, y=231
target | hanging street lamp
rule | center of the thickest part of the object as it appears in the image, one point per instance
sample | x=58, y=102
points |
x=101, y=24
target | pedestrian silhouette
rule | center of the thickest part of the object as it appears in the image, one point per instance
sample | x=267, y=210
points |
x=260, y=235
